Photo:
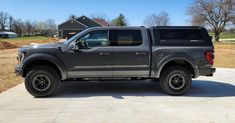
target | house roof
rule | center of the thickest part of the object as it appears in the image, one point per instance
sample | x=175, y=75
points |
x=9, y=33
x=87, y=21
x=102, y=22
x=71, y=19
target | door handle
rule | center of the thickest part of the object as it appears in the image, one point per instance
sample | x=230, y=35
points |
x=104, y=53
x=140, y=53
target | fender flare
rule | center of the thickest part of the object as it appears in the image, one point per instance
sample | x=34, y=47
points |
x=172, y=57
x=46, y=57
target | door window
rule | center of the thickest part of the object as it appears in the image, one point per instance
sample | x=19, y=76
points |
x=94, y=39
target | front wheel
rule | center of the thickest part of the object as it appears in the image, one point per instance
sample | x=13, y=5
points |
x=42, y=81
x=175, y=80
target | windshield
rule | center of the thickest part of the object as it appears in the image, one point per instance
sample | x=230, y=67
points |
x=74, y=37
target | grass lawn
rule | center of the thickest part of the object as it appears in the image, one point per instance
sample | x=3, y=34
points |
x=225, y=35
x=224, y=55
x=25, y=38
x=8, y=61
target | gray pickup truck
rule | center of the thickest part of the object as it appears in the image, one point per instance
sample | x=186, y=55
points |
x=172, y=55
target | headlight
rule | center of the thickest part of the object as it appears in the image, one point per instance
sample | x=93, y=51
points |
x=20, y=57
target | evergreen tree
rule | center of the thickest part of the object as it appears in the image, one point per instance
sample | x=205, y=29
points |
x=119, y=21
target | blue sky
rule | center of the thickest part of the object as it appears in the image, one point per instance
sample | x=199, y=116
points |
x=59, y=10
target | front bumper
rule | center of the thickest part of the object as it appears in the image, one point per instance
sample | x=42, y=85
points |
x=18, y=70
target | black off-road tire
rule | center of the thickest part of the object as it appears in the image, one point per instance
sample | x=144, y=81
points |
x=42, y=74
x=170, y=80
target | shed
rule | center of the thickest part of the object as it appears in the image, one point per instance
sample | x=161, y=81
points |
x=6, y=34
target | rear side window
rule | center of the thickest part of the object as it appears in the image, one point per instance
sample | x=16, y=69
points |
x=125, y=37
x=181, y=37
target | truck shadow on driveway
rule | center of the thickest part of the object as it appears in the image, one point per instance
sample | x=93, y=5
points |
x=118, y=89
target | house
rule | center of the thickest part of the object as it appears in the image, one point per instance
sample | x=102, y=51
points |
x=6, y=34
x=73, y=26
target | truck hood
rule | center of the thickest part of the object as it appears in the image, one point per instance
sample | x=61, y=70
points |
x=41, y=46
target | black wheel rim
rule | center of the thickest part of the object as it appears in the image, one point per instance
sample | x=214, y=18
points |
x=41, y=82
x=177, y=81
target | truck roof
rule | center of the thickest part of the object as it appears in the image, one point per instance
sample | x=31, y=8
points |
x=177, y=27
x=119, y=27
x=155, y=27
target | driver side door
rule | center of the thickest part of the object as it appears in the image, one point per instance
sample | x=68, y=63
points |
x=94, y=56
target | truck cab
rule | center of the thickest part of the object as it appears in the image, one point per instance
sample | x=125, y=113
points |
x=109, y=52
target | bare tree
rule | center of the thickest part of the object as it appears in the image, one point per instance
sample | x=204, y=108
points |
x=28, y=27
x=40, y=27
x=34, y=24
x=11, y=19
x=18, y=26
x=51, y=27
x=150, y=20
x=3, y=20
x=215, y=13
x=161, y=19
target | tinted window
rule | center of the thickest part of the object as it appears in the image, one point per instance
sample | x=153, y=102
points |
x=125, y=37
x=181, y=37
x=94, y=39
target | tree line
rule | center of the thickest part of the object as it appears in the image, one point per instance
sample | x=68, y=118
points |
x=27, y=27
x=161, y=19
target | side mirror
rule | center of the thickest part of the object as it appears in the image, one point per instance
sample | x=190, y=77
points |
x=76, y=46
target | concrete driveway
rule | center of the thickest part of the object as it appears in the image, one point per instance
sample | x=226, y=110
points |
x=210, y=100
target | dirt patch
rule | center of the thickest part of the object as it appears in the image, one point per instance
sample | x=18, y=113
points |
x=21, y=43
x=6, y=45
x=10, y=44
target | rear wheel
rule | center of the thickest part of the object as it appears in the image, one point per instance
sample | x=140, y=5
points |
x=42, y=81
x=175, y=80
